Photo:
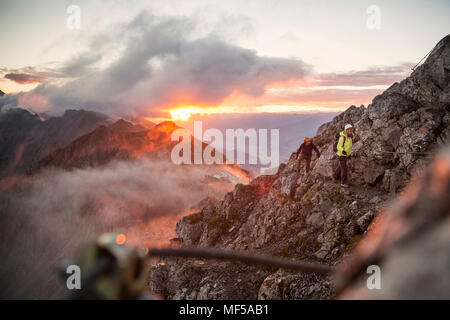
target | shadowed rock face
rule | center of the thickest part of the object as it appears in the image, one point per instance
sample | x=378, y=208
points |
x=308, y=217
x=25, y=139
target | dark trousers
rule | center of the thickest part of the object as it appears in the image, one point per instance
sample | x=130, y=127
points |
x=307, y=161
x=341, y=171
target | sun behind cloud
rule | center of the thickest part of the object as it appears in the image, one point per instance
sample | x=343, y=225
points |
x=182, y=114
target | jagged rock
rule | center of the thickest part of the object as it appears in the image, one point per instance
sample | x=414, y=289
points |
x=392, y=180
x=190, y=229
x=325, y=165
x=412, y=253
x=288, y=183
x=365, y=220
x=315, y=220
x=354, y=206
x=411, y=116
x=201, y=280
x=375, y=200
x=282, y=285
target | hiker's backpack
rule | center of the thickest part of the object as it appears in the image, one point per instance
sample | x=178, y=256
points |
x=336, y=140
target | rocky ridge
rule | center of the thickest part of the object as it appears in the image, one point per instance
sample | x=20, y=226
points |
x=309, y=217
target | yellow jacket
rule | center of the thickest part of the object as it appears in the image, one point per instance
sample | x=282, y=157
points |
x=347, y=146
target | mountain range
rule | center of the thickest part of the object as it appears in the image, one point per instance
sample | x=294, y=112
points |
x=25, y=139
x=65, y=180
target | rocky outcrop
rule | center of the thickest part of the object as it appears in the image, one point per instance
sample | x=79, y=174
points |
x=288, y=214
x=408, y=243
x=200, y=280
x=282, y=286
x=397, y=131
x=309, y=217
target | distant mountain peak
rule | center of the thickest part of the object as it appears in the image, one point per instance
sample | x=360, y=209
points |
x=121, y=124
x=82, y=112
x=126, y=126
x=26, y=138
x=166, y=126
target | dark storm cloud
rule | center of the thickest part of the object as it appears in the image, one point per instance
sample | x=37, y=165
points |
x=29, y=75
x=47, y=217
x=24, y=78
x=80, y=65
x=162, y=64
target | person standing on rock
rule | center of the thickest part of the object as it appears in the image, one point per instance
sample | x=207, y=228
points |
x=344, y=152
x=305, y=152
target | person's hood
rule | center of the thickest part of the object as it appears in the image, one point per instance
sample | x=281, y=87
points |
x=344, y=134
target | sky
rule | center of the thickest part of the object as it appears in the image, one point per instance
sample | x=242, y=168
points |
x=170, y=59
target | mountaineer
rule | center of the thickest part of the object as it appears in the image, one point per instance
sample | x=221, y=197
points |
x=305, y=152
x=343, y=148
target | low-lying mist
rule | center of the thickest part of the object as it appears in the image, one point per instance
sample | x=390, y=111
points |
x=44, y=218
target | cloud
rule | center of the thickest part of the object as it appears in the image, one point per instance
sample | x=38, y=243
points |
x=80, y=65
x=24, y=78
x=319, y=98
x=45, y=219
x=328, y=90
x=380, y=75
x=328, y=97
x=159, y=63
x=31, y=75
x=151, y=63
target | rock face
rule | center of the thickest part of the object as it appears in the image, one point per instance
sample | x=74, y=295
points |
x=287, y=214
x=309, y=217
x=410, y=116
x=409, y=243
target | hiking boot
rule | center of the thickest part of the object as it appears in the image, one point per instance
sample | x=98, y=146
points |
x=344, y=185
